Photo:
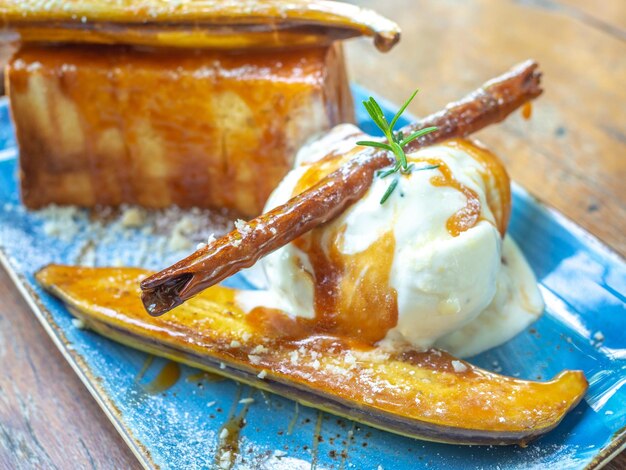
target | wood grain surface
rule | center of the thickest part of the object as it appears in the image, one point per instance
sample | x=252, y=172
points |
x=571, y=154
x=48, y=419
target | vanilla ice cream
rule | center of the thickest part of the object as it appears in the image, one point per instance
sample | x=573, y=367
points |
x=430, y=261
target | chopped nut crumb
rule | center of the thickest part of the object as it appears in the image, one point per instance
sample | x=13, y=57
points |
x=458, y=366
x=259, y=349
x=254, y=359
x=79, y=323
x=293, y=357
x=242, y=227
x=350, y=359
x=133, y=217
x=178, y=241
x=225, y=459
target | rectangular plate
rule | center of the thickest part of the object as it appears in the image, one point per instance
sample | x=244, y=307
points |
x=582, y=281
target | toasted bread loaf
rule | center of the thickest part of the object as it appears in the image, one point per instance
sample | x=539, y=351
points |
x=106, y=125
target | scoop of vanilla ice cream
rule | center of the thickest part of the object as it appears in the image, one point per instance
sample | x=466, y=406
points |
x=447, y=286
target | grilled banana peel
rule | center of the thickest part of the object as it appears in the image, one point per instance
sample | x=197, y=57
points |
x=427, y=395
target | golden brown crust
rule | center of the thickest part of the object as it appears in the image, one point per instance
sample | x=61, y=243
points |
x=107, y=125
x=206, y=23
x=428, y=395
x=332, y=194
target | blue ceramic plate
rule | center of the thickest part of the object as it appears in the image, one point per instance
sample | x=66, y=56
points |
x=584, y=327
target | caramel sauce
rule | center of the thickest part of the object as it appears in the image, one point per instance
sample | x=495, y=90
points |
x=352, y=296
x=469, y=215
x=496, y=180
x=277, y=325
x=144, y=368
x=317, y=438
x=166, y=378
x=203, y=376
x=294, y=419
x=346, y=287
x=322, y=168
x=231, y=442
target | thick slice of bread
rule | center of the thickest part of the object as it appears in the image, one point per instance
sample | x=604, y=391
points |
x=107, y=125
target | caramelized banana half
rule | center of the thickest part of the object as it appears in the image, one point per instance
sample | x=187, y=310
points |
x=215, y=24
x=427, y=395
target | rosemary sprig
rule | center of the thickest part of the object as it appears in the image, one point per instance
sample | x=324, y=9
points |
x=395, y=142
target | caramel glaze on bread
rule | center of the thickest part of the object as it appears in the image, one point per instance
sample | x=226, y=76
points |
x=106, y=125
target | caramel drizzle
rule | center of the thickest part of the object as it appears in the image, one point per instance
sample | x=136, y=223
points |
x=352, y=295
x=347, y=286
x=495, y=177
x=469, y=215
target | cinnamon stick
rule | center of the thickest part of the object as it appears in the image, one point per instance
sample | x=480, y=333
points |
x=332, y=195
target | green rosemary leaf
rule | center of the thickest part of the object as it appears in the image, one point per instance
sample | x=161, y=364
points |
x=378, y=110
x=402, y=109
x=375, y=116
x=409, y=168
x=429, y=167
x=395, y=142
x=390, y=189
x=384, y=174
x=373, y=143
x=420, y=133
x=400, y=155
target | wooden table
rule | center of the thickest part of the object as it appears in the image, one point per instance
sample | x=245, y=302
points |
x=572, y=154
